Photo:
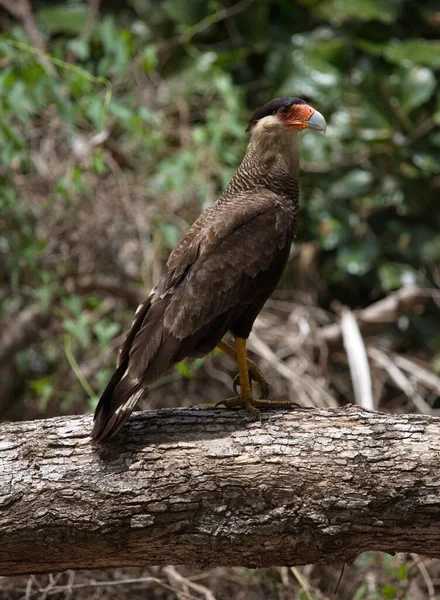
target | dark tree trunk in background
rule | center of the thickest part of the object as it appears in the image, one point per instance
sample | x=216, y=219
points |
x=213, y=487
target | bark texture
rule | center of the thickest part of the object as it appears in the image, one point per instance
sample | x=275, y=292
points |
x=211, y=487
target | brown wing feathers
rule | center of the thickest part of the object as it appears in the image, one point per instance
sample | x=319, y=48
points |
x=207, y=285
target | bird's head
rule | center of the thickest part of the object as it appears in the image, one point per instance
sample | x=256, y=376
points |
x=285, y=116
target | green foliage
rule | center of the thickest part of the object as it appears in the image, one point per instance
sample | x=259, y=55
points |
x=369, y=187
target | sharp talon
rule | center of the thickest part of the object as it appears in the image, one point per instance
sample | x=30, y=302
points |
x=236, y=401
x=236, y=384
x=276, y=404
x=254, y=411
x=264, y=391
x=254, y=375
x=253, y=405
x=294, y=405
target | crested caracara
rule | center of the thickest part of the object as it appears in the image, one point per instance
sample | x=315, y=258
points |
x=221, y=273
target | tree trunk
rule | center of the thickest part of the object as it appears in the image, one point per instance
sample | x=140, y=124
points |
x=211, y=487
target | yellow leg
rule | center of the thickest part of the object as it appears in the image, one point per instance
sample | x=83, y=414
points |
x=246, y=370
x=243, y=372
x=245, y=398
x=255, y=373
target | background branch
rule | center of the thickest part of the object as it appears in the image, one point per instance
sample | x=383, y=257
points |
x=405, y=301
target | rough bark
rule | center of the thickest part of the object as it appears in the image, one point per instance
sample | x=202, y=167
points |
x=211, y=487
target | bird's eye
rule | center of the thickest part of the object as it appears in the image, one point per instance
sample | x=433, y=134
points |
x=284, y=110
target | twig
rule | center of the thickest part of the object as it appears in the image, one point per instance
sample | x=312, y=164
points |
x=424, y=572
x=297, y=380
x=190, y=32
x=24, y=330
x=75, y=367
x=92, y=16
x=428, y=378
x=175, y=576
x=381, y=313
x=399, y=378
x=109, y=285
x=95, y=584
x=302, y=583
x=357, y=360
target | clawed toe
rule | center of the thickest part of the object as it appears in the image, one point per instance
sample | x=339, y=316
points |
x=264, y=403
x=253, y=405
x=254, y=375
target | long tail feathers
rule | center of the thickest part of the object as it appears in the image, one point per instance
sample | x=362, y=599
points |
x=115, y=405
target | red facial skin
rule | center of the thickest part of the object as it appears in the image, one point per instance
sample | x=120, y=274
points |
x=297, y=116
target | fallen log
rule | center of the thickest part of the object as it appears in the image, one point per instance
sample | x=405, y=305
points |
x=208, y=487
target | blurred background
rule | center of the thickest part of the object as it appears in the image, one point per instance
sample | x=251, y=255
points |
x=120, y=121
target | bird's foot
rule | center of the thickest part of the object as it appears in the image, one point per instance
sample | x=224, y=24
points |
x=241, y=401
x=254, y=375
x=265, y=403
x=253, y=405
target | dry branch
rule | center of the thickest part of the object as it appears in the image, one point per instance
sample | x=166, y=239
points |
x=357, y=360
x=203, y=487
x=378, y=315
x=22, y=331
x=111, y=286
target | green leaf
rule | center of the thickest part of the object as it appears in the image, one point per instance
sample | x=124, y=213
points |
x=331, y=232
x=43, y=388
x=416, y=51
x=105, y=331
x=313, y=76
x=120, y=110
x=80, y=48
x=64, y=18
x=102, y=378
x=389, y=592
x=389, y=276
x=79, y=329
x=360, y=10
x=171, y=233
x=430, y=250
x=436, y=363
x=352, y=184
x=394, y=276
x=186, y=13
x=416, y=87
x=357, y=259
x=73, y=304
x=361, y=592
x=150, y=58
x=184, y=369
x=402, y=571
x=108, y=33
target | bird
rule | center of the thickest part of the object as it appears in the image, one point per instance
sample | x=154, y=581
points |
x=221, y=273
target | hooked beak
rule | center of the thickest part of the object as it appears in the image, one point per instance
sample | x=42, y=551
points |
x=303, y=116
x=317, y=122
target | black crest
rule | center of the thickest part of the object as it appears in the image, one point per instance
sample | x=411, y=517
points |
x=272, y=107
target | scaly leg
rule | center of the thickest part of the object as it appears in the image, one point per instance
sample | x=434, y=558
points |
x=255, y=373
x=245, y=398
